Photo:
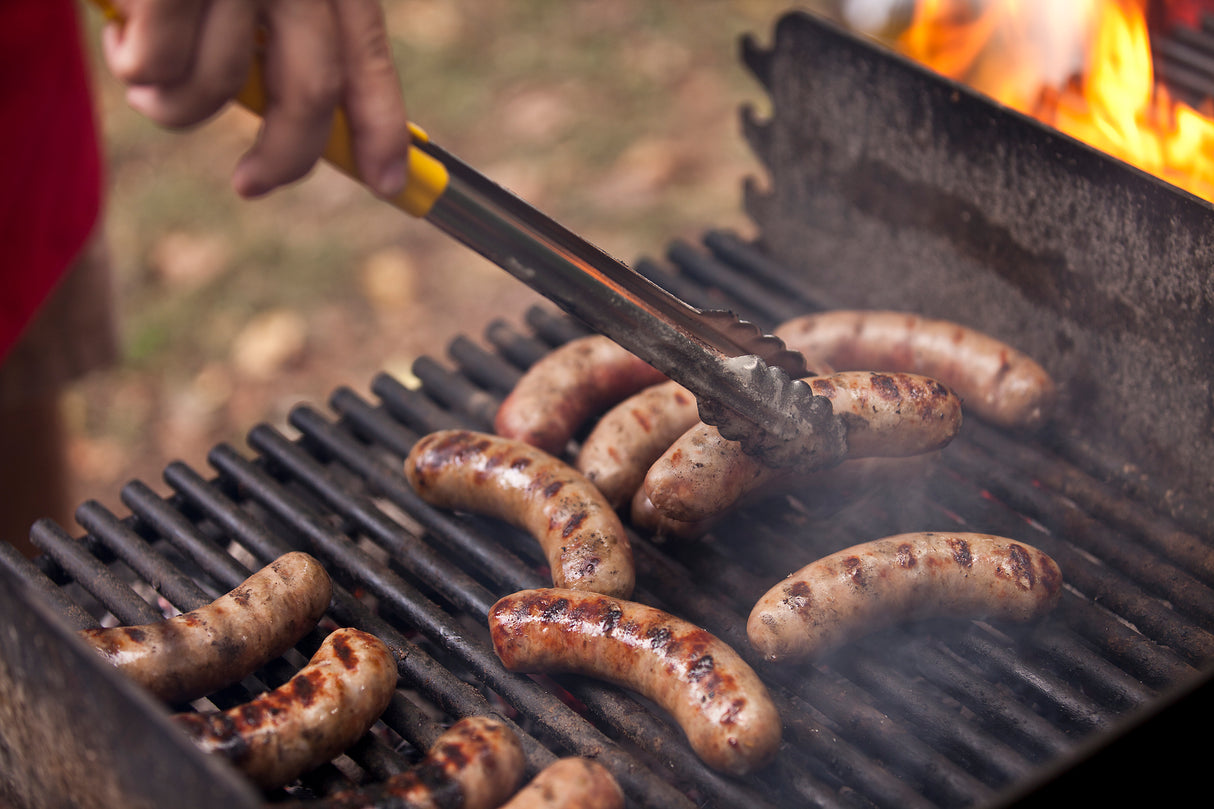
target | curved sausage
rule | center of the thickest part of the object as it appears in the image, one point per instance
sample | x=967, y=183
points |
x=477, y=763
x=567, y=387
x=1000, y=384
x=886, y=415
x=647, y=517
x=570, y=783
x=196, y=653
x=629, y=437
x=716, y=698
x=313, y=717
x=900, y=578
x=581, y=535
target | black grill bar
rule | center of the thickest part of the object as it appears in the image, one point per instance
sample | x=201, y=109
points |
x=98, y=579
x=16, y=562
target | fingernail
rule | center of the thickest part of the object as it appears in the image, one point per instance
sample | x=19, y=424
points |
x=392, y=179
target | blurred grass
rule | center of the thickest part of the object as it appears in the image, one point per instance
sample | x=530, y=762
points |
x=618, y=118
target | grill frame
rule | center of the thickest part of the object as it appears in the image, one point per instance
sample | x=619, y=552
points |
x=862, y=729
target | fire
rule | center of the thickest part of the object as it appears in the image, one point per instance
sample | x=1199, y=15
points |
x=1106, y=97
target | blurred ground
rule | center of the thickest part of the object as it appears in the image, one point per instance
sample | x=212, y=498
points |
x=621, y=119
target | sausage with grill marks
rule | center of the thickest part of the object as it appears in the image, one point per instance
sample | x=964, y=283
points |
x=703, y=474
x=714, y=696
x=997, y=382
x=630, y=436
x=198, y=652
x=582, y=536
x=570, y=783
x=876, y=584
x=568, y=386
x=478, y=763
x=326, y=707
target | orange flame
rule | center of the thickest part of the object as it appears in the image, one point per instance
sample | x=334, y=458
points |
x=1114, y=105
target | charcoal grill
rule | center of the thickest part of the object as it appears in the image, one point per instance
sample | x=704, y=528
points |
x=946, y=713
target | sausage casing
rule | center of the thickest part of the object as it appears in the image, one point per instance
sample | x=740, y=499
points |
x=326, y=707
x=703, y=474
x=570, y=783
x=715, y=697
x=477, y=763
x=567, y=387
x=904, y=577
x=582, y=537
x=198, y=652
x=630, y=436
x=997, y=382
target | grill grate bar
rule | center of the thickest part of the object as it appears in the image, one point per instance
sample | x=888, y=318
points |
x=1051, y=474
x=16, y=562
x=179, y=588
x=100, y=581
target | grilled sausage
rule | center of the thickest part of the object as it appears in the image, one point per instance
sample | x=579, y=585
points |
x=998, y=383
x=196, y=653
x=326, y=707
x=908, y=576
x=716, y=698
x=567, y=387
x=645, y=516
x=581, y=535
x=477, y=763
x=887, y=415
x=570, y=783
x=633, y=434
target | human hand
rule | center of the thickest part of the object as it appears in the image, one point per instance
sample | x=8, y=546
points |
x=183, y=60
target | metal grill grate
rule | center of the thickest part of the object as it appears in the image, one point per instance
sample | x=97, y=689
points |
x=946, y=714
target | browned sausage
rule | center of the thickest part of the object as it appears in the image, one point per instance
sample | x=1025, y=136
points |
x=716, y=698
x=630, y=436
x=645, y=516
x=887, y=415
x=567, y=387
x=900, y=578
x=196, y=653
x=326, y=707
x=998, y=383
x=570, y=783
x=477, y=763
x=581, y=535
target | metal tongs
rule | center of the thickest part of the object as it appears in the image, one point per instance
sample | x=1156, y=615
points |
x=747, y=384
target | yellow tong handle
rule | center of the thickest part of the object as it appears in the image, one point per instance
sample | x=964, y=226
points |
x=426, y=176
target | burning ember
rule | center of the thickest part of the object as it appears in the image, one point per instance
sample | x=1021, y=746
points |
x=1083, y=66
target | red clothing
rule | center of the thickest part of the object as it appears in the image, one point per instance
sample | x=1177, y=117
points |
x=50, y=161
